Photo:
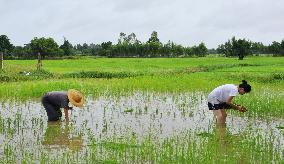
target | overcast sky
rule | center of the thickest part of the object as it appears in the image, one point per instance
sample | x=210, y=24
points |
x=186, y=22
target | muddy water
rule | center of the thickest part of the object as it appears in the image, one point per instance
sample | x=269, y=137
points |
x=24, y=124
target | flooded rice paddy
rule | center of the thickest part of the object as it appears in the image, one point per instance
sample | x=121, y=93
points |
x=143, y=127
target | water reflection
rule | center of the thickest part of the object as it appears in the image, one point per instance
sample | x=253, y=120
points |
x=138, y=114
x=58, y=136
x=222, y=134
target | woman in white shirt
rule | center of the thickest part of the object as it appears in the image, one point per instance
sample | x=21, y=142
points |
x=221, y=98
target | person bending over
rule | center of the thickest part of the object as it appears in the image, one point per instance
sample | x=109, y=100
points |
x=53, y=101
x=221, y=98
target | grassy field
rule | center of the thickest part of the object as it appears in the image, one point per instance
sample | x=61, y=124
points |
x=157, y=89
x=148, y=65
x=98, y=76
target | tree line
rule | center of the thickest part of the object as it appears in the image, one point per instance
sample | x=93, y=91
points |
x=243, y=47
x=130, y=46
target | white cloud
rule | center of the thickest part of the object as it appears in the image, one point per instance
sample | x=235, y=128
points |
x=186, y=22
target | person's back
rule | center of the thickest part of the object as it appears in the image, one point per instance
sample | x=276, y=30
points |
x=221, y=93
x=53, y=101
x=58, y=98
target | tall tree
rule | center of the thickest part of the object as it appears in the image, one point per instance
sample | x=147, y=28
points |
x=67, y=47
x=106, y=49
x=131, y=39
x=153, y=45
x=122, y=38
x=95, y=48
x=22, y=52
x=275, y=48
x=166, y=49
x=202, y=49
x=258, y=48
x=154, y=37
x=5, y=46
x=44, y=46
x=133, y=45
x=235, y=47
x=282, y=47
x=242, y=48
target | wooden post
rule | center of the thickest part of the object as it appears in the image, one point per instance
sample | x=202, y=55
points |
x=1, y=60
x=39, y=63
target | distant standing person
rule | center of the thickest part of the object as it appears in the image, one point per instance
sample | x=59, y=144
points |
x=221, y=98
x=53, y=101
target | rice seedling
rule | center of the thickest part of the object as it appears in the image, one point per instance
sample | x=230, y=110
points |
x=143, y=111
x=137, y=137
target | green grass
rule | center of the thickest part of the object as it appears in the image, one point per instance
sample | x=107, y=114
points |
x=148, y=65
x=122, y=77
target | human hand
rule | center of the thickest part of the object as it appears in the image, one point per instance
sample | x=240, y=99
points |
x=242, y=109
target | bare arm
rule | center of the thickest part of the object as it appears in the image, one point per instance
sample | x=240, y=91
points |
x=229, y=102
x=66, y=113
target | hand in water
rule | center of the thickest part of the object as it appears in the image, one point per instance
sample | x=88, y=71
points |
x=242, y=108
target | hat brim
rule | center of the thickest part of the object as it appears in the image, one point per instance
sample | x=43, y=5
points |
x=70, y=94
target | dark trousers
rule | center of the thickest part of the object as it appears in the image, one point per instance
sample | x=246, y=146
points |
x=53, y=112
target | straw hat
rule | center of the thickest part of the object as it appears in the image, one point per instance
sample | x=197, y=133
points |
x=75, y=97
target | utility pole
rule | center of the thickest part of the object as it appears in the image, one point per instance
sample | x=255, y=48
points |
x=39, y=62
x=1, y=61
